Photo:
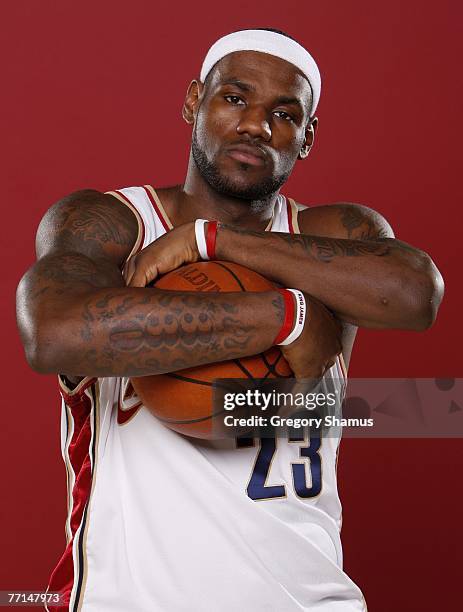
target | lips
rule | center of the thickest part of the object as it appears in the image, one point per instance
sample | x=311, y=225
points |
x=247, y=154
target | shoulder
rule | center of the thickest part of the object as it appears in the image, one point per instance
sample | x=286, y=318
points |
x=343, y=220
x=87, y=203
x=87, y=219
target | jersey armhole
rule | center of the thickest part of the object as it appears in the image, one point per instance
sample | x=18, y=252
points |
x=138, y=245
x=293, y=211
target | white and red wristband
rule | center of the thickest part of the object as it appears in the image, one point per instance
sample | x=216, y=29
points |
x=206, y=238
x=294, y=318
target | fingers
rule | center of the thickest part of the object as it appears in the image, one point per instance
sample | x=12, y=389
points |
x=129, y=270
x=138, y=275
x=138, y=279
x=165, y=254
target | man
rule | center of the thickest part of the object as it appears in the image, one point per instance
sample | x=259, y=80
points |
x=158, y=521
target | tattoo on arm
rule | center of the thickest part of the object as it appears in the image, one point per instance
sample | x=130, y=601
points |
x=326, y=250
x=92, y=324
x=91, y=223
x=279, y=305
x=161, y=331
x=358, y=225
x=114, y=330
x=62, y=273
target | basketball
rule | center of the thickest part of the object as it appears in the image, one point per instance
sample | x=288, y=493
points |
x=182, y=400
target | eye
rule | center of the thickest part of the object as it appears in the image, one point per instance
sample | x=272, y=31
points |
x=283, y=115
x=236, y=100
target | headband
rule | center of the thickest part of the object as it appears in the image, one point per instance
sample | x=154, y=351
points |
x=266, y=42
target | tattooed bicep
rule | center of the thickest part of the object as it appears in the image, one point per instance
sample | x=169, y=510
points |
x=346, y=221
x=362, y=223
x=88, y=222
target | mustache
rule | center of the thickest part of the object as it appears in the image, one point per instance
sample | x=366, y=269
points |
x=260, y=149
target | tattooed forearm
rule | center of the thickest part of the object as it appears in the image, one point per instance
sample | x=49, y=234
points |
x=241, y=230
x=89, y=330
x=363, y=274
x=325, y=250
x=124, y=330
x=279, y=306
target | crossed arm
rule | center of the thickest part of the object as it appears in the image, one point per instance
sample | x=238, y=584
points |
x=77, y=317
x=347, y=257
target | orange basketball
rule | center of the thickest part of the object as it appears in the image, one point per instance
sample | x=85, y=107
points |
x=182, y=400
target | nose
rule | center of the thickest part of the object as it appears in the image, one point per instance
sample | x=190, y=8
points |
x=254, y=122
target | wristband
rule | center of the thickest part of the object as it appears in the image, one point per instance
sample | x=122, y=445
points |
x=211, y=237
x=288, y=320
x=301, y=310
x=292, y=325
x=201, y=238
x=206, y=238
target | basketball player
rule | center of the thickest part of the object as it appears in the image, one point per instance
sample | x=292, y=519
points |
x=159, y=521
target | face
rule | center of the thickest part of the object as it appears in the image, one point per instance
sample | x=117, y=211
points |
x=250, y=124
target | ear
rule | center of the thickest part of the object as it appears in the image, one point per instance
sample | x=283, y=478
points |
x=309, y=138
x=193, y=96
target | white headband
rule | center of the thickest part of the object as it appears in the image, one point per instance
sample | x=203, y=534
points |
x=266, y=42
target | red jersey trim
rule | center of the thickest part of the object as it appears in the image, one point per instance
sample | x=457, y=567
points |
x=158, y=207
x=291, y=212
x=73, y=395
x=80, y=454
x=289, y=217
x=128, y=396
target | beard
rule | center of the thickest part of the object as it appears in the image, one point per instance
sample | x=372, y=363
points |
x=224, y=184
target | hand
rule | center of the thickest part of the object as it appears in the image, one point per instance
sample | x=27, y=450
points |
x=165, y=254
x=316, y=349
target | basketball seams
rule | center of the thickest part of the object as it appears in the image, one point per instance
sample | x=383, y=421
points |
x=240, y=284
x=271, y=367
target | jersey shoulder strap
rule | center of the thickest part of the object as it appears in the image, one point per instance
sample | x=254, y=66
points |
x=285, y=215
x=147, y=207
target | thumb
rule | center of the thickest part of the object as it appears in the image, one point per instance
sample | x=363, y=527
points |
x=134, y=275
x=128, y=271
x=142, y=276
x=137, y=279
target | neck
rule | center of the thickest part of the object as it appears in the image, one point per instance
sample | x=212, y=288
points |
x=196, y=199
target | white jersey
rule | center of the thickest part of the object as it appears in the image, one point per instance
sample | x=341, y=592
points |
x=159, y=522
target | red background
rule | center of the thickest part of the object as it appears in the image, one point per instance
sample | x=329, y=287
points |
x=92, y=93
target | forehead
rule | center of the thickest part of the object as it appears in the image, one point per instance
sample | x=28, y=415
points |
x=263, y=71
